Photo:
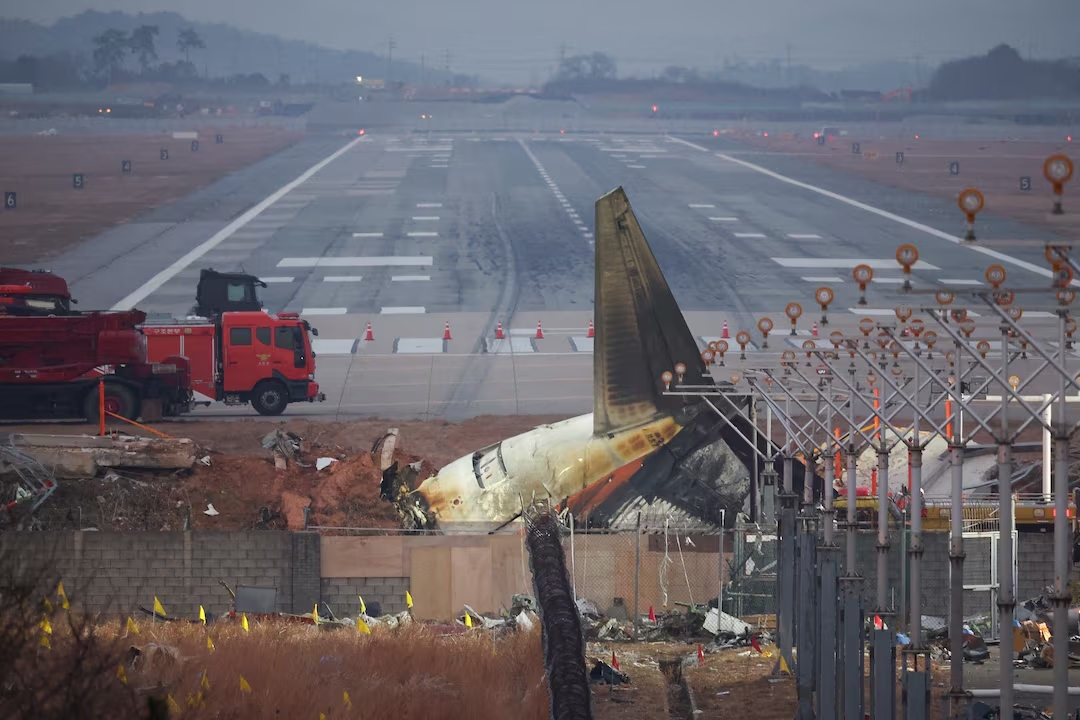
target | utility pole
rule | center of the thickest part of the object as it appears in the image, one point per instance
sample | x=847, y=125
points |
x=446, y=67
x=788, y=46
x=421, y=69
x=390, y=45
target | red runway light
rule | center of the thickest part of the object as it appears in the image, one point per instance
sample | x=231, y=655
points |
x=360, y=132
x=716, y=133
x=562, y=132
x=655, y=108
x=765, y=134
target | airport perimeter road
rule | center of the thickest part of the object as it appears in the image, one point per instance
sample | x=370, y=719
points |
x=409, y=232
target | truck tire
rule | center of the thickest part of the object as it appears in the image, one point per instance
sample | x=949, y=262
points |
x=269, y=398
x=119, y=400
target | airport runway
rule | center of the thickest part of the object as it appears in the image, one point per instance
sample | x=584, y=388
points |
x=411, y=231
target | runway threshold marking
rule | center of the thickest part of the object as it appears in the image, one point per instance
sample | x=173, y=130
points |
x=143, y=291
x=1045, y=272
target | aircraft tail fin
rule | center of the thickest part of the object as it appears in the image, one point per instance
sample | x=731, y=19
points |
x=640, y=331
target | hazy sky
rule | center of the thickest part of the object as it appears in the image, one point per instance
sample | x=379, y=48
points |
x=515, y=40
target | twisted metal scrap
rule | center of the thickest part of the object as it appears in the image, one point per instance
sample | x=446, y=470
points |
x=560, y=624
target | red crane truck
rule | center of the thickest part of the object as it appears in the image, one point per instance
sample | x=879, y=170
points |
x=237, y=353
x=51, y=366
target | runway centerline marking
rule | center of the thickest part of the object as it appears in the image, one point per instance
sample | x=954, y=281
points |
x=367, y=234
x=409, y=278
x=402, y=310
x=428, y=205
x=143, y=291
x=555, y=190
x=1045, y=272
x=342, y=278
x=749, y=235
x=804, y=236
x=724, y=219
x=823, y=278
x=278, y=279
x=700, y=205
x=425, y=217
x=950, y=281
x=423, y=234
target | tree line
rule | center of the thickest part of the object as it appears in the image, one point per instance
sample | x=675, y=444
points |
x=109, y=62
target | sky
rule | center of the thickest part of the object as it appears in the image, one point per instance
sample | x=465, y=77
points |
x=521, y=40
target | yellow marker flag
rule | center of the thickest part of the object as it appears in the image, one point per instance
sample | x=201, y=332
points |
x=202, y=615
x=243, y=622
x=62, y=595
x=173, y=706
x=158, y=607
x=348, y=701
x=244, y=687
x=784, y=666
x=362, y=626
x=46, y=626
x=205, y=683
x=315, y=613
x=196, y=701
x=48, y=606
x=120, y=674
x=408, y=599
x=209, y=644
x=45, y=641
x=468, y=620
x=322, y=716
x=132, y=627
x=363, y=606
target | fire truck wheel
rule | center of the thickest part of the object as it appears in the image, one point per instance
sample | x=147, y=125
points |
x=269, y=398
x=119, y=400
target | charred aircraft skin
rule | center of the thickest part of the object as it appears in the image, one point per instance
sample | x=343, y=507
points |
x=694, y=460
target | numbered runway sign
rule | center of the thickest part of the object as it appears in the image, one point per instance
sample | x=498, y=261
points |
x=855, y=149
x=219, y=138
x=1025, y=184
x=125, y=166
x=194, y=145
x=77, y=181
x=900, y=158
x=954, y=168
x=9, y=200
x=164, y=153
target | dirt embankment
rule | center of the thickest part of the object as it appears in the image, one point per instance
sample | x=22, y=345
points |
x=994, y=167
x=51, y=215
x=248, y=491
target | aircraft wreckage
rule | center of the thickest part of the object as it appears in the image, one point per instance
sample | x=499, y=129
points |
x=639, y=450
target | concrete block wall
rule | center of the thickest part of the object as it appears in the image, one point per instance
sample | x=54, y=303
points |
x=1035, y=569
x=117, y=572
x=343, y=594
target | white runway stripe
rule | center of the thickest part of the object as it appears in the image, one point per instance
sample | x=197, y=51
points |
x=372, y=261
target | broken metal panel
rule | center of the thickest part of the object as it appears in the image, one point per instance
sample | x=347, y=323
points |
x=35, y=483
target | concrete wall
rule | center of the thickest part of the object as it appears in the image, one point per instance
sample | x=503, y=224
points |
x=117, y=572
x=1035, y=569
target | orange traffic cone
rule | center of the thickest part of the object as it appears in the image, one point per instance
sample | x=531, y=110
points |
x=539, y=331
x=700, y=654
x=368, y=334
x=724, y=332
x=446, y=332
x=498, y=331
x=592, y=332
x=813, y=331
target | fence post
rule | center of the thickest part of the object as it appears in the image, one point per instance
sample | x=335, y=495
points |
x=637, y=569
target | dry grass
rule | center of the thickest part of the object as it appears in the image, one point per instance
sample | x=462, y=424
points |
x=730, y=685
x=300, y=671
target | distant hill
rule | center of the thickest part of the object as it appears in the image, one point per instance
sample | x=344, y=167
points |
x=1002, y=74
x=229, y=50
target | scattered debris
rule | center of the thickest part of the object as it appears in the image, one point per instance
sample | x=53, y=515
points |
x=210, y=510
x=382, y=452
x=205, y=460
x=324, y=462
x=604, y=674
x=286, y=443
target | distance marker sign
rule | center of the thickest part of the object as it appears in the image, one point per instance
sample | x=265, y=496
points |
x=9, y=200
